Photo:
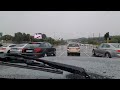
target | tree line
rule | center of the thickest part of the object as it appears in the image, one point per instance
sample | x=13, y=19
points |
x=25, y=38
x=98, y=40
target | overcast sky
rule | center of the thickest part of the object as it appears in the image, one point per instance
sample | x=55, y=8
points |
x=61, y=24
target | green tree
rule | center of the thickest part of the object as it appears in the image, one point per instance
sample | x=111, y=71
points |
x=6, y=37
x=18, y=37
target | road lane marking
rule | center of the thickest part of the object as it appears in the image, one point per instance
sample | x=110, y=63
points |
x=62, y=54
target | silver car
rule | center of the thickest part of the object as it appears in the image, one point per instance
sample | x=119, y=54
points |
x=6, y=48
x=18, y=48
x=73, y=48
x=108, y=50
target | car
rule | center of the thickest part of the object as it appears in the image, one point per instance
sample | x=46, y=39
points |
x=108, y=50
x=18, y=48
x=39, y=49
x=73, y=48
x=6, y=48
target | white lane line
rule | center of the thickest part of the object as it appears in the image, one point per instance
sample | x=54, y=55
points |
x=61, y=53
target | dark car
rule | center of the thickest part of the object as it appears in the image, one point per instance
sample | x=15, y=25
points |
x=39, y=49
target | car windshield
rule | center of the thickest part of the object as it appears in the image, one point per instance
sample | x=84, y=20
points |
x=86, y=39
x=73, y=45
x=116, y=45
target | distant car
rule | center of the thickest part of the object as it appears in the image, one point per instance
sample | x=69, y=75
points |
x=73, y=48
x=6, y=48
x=39, y=49
x=18, y=48
x=108, y=50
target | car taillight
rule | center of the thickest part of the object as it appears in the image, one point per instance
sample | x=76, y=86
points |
x=117, y=50
x=37, y=50
x=23, y=50
x=3, y=48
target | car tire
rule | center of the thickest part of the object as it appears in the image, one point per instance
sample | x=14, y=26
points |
x=108, y=55
x=78, y=54
x=8, y=51
x=54, y=54
x=68, y=54
x=93, y=53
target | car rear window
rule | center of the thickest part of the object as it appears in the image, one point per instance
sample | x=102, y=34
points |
x=20, y=45
x=73, y=45
x=116, y=45
x=31, y=45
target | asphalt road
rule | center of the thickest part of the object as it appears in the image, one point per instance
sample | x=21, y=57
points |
x=102, y=66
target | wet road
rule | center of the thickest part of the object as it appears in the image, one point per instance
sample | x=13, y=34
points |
x=61, y=51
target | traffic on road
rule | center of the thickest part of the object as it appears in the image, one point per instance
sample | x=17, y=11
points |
x=60, y=45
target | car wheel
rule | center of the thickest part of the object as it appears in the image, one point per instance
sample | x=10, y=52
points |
x=68, y=54
x=93, y=53
x=54, y=54
x=78, y=54
x=108, y=55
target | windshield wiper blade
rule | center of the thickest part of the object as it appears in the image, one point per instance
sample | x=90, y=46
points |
x=69, y=68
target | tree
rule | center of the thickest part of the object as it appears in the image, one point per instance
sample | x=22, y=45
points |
x=18, y=37
x=6, y=37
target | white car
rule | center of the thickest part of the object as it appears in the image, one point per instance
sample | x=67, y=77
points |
x=6, y=48
x=73, y=48
x=18, y=48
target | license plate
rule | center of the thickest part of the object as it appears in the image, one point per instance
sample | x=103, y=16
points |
x=29, y=50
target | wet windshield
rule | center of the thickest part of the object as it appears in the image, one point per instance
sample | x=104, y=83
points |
x=86, y=39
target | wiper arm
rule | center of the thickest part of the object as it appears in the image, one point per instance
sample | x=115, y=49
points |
x=69, y=68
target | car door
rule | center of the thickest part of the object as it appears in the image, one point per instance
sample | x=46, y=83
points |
x=105, y=49
x=99, y=50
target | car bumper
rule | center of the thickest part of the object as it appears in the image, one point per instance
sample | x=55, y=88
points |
x=2, y=51
x=37, y=55
x=118, y=55
x=15, y=51
x=73, y=51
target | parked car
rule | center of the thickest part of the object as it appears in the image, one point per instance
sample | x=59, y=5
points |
x=73, y=48
x=6, y=48
x=108, y=50
x=39, y=49
x=18, y=48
